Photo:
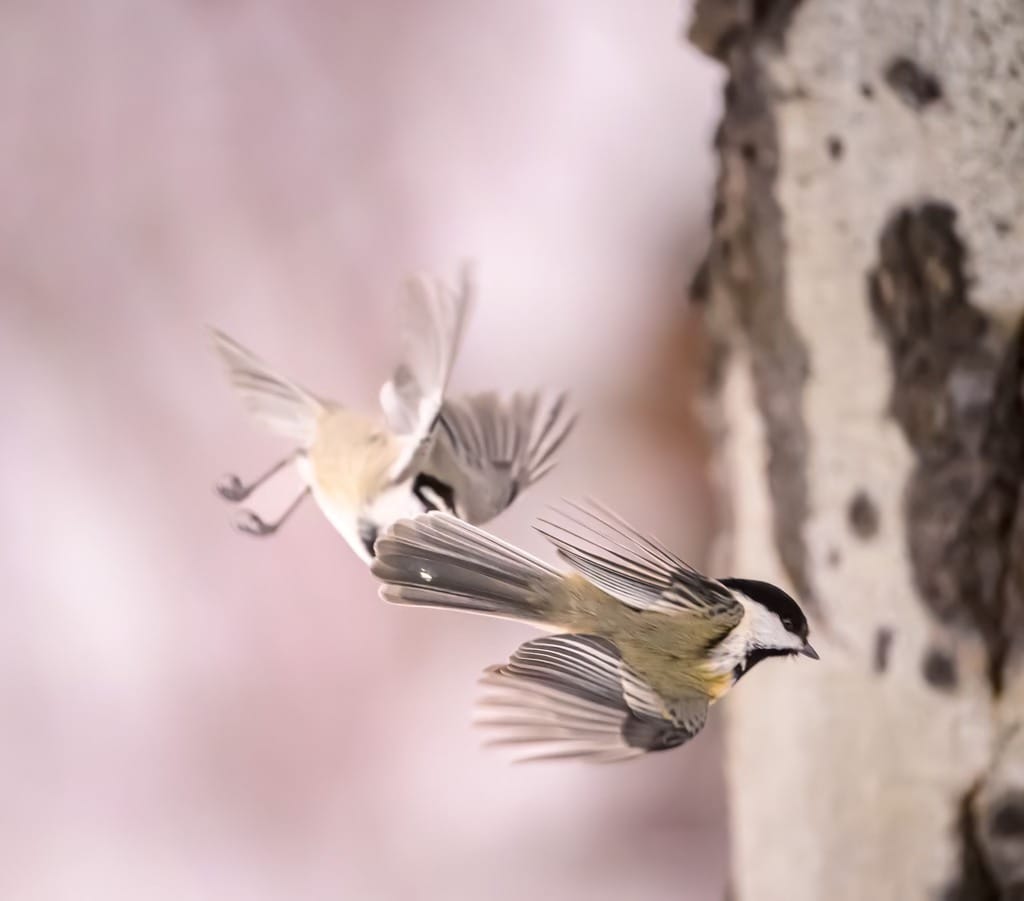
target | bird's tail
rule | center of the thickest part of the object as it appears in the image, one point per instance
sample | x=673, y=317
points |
x=437, y=560
x=280, y=404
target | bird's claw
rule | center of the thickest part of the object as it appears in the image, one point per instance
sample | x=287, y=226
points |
x=231, y=488
x=251, y=524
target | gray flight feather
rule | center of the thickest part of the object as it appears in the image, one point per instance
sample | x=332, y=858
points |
x=490, y=449
x=635, y=568
x=573, y=696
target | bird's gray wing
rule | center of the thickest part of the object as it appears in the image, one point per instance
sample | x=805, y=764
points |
x=635, y=568
x=434, y=320
x=573, y=696
x=277, y=402
x=490, y=449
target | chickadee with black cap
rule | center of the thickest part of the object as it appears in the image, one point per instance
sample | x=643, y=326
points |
x=471, y=456
x=645, y=642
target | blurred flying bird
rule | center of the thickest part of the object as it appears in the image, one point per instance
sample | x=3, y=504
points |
x=645, y=642
x=471, y=456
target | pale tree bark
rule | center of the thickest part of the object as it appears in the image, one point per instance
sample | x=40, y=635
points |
x=865, y=290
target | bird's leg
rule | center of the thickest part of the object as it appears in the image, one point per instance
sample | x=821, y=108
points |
x=233, y=489
x=251, y=524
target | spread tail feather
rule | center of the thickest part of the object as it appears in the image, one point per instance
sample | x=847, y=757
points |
x=436, y=560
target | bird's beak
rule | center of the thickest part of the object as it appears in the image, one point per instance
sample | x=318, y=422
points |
x=808, y=651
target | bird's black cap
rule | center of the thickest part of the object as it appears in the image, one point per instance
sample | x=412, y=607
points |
x=775, y=599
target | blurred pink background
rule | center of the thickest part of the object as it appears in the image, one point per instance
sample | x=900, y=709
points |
x=192, y=713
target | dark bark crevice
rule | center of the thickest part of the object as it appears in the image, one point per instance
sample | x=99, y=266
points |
x=975, y=881
x=915, y=86
x=957, y=379
x=719, y=24
x=744, y=269
x=1001, y=840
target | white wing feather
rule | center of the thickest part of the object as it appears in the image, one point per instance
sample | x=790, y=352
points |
x=279, y=403
x=411, y=399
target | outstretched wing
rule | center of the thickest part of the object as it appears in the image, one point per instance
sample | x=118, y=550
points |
x=636, y=569
x=573, y=696
x=435, y=318
x=489, y=450
x=276, y=401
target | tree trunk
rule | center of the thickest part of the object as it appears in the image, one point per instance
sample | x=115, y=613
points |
x=864, y=289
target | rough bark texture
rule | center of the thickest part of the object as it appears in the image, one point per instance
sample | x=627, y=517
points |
x=865, y=283
x=957, y=397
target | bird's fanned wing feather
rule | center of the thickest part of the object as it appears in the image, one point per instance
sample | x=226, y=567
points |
x=635, y=568
x=279, y=403
x=572, y=696
x=489, y=449
x=435, y=319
